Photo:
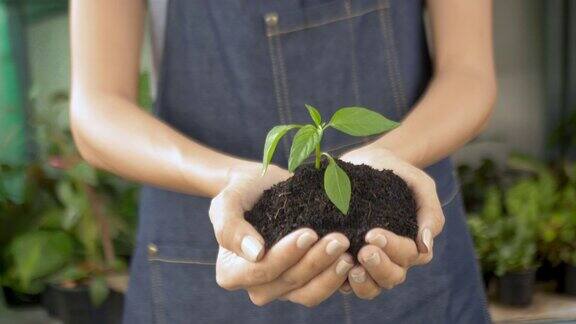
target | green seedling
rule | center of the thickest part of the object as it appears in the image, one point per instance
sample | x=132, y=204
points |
x=355, y=121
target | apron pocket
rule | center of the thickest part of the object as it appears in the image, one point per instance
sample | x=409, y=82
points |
x=342, y=53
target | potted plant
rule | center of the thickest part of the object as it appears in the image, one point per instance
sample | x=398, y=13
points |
x=559, y=234
x=98, y=211
x=25, y=201
x=484, y=228
x=515, y=244
x=329, y=194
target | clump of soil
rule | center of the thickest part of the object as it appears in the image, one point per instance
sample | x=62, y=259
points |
x=379, y=199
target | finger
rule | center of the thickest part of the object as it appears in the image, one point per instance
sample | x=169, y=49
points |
x=324, y=285
x=231, y=230
x=317, y=259
x=362, y=284
x=401, y=250
x=233, y=272
x=385, y=273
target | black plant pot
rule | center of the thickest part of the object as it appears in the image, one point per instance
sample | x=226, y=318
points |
x=50, y=302
x=567, y=280
x=18, y=299
x=546, y=271
x=516, y=288
x=486, y=278
x=73, y=306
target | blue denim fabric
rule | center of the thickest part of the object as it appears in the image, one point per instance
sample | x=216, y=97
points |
x=233, y=69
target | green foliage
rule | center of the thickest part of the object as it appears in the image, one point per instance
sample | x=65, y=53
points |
x=304, y=143
x=356, y=121
x=38, y=254
x=337, y=185
x=98, y=290
x=535, y=217
x=54, y=208
x=274, y=136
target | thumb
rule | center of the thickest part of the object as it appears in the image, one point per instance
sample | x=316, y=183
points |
x=232, y=231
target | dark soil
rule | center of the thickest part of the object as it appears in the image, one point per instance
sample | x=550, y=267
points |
x=379, y=199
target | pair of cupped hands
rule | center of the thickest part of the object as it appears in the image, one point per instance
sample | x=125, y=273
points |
x=304, y=268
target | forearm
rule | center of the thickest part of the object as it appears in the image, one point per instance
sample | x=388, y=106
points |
x=114, y=134
x=453, y=110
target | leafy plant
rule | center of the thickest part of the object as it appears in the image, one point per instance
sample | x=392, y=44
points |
x=505, y=231
x=355, y=121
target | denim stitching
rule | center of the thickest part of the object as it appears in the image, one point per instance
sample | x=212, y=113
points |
x=183, y=261
x=392, y=62
x=157, y=296
x=347, y=309
x=284, y=82
x=355, y=87
x=395, y=60
x=279, y=102
x=277, y=32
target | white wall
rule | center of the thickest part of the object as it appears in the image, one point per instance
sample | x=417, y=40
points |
x=518, y=120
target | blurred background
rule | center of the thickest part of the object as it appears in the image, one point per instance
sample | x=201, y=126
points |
x=67, y=230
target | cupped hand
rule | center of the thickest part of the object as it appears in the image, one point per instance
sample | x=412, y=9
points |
x=299, y=268
x=386, y=258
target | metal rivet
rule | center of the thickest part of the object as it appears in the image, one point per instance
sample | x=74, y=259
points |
x=152, y=249
x=271, y=19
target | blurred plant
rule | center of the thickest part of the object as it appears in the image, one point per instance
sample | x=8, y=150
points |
x=505, y=231
x=474, y=182
x=74, y=238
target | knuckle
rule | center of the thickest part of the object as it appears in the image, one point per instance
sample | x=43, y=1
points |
x=290, y=281
x=257, y=299
x=309, y=302
x=259, y=274
x=370, y=294
x=223, y=281
x=312, y=266
x=400, y=278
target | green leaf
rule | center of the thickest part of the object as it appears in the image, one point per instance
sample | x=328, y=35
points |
x=98, y=290
x=337, y=186
x=303, y=145
x=272, y=139
x=358, y=121
x=40, y=253
x=315, y=114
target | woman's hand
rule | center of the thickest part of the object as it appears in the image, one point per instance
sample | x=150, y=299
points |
x=387, y=257
x=299, y=268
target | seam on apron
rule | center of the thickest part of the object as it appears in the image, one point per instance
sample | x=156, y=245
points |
x=354, y=65
x=328, y=21
x=277, y=91
x=392, y=61
x=157, y=294
x=182, y=261
x=452, y=195
x=284, y=81
x=347, y=309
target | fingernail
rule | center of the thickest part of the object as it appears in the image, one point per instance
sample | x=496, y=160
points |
x=427, y=239
x=342, y=267
x=379, y=240
x=251, y=248
x=358, y=276
x=305, y=240
x=334, y=247
x=373, y=259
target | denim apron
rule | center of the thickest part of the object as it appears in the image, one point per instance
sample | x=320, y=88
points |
x=231, y=70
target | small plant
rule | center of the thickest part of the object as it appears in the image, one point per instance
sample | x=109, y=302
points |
x=355, y=121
